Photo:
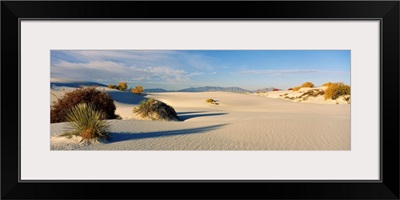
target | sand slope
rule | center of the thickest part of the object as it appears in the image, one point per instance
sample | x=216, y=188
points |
x=239, y=122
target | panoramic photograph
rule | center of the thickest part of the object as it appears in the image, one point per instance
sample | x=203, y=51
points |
x=200, y=100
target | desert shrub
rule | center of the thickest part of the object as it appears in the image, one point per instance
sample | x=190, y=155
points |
x=287, y=97
x=85, y=121
x=275, y=89
x=290, y=89
x=101, y=101
x=152, y=109
x=307, y=84
x=296, y=88
x=335, y=90
x=122, y=86
x=307, y=94
x=137, y=89
x=112, y=86
x=327, y=84
x=212, y=101
x=321, y=92
x=312, y=93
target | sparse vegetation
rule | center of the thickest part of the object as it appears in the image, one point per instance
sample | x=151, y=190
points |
x=275, y=89
x=327, y=84
x=113, y=86
x=99, y=99
x=307, y=84
x=290, y=89
x=85, y=121
x=152, y=109
x=121, y=86
x=212, y=101
x=313, y=93
x=296, y=88
x=137, y=90
x=335, y=90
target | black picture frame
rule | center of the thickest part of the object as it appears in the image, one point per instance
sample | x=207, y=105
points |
x=386, y=11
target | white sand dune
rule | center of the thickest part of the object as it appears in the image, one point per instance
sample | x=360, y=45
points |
x=296, y=95
x=239, y=122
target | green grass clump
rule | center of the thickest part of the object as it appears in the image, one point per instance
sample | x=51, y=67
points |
x=152, y=109
x=307, y=84
x=335, y=90
x=85, y=121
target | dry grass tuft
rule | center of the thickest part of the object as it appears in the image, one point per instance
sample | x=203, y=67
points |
x=137, y=90
x=335, y=90
x=152, y=109
x=307, y=84
x=296, y=88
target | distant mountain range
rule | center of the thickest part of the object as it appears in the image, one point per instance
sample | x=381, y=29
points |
x=213, y=89
x=209, y=89
x=75, y=84
x=265, y=89
x=191, y=89
x=155, y=90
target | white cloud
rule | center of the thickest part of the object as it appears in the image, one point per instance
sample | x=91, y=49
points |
x=100, y=70
x=290, y=72
x=142, y=58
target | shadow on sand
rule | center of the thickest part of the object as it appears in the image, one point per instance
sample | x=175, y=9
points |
x=119, y=137
x=76, y=84
x=191, y=112
x=126, y=97
x=186, y=117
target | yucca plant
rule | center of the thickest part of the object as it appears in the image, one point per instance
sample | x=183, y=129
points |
x=85, y=121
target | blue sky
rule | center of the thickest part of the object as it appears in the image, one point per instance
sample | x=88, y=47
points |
x=178, y=69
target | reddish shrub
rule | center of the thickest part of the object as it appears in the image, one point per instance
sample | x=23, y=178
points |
x=100, y=100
